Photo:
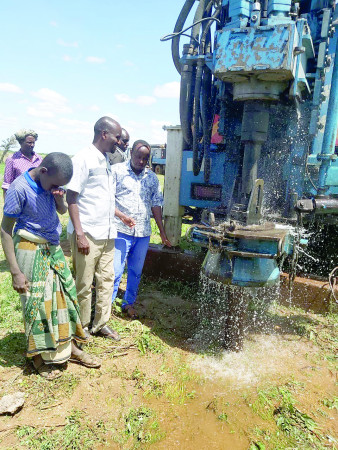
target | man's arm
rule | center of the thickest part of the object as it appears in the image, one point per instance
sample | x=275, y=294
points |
x=59, y=197
x=19, y=281
x=129, y=221
x=157, y=213
x=81, y=240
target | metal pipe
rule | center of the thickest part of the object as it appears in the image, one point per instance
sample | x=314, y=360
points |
x=328, y=146
x=252, y=153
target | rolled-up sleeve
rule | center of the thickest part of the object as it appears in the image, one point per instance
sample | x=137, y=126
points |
x=9, y=174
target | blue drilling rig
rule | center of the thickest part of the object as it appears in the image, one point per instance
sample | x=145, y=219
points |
x=259, y=118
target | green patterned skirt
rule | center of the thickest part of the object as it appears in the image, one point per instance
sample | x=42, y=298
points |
x=50, y=306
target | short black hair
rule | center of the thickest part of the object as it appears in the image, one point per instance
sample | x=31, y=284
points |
x=140, y=143
x=105, y=123
x=57, y=162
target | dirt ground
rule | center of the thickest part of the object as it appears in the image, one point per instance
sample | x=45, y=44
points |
x=163, y=386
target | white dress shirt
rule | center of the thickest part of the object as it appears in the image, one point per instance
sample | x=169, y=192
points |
x=92, y=180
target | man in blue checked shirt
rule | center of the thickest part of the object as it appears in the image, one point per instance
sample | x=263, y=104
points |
x=137, y=196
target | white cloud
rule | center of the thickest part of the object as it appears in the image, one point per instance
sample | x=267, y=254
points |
x=76, y=126
x=61, y=42
x=8, y=121
x=123, y=98
x=53, y=23
x=128, y=63
x=9, y=87
x=51, y=103
x=157, y=134
x=95, y=60
x=168, y=90
x=48, y=95
x=41, y=110
x=46, y=126
x=94, y=108
x=67, y=58
x=143, y=100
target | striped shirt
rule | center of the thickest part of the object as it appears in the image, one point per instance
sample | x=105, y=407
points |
x=17, y=164
x=33, y=207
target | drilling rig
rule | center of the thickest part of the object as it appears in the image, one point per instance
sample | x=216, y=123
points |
x=254, y=158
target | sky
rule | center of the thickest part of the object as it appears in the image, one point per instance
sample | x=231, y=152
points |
x=66, y=63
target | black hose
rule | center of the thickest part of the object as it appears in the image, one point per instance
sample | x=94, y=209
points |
x=207, y=119
x=197, y=156
x=187, y=101
x=175, y=44
x=197, y=24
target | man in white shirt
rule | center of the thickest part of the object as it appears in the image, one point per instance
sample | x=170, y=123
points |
x=92, y=229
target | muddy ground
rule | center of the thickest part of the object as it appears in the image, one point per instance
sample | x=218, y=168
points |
x=166, y=385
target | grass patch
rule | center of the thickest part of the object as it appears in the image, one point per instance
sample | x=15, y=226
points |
x=43, y=393
x=140, y=428
x=294, y=428
x=78, y=433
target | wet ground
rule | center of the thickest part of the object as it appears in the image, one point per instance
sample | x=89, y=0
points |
x=166, y=386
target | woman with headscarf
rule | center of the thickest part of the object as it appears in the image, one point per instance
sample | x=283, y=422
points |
x=23, y=159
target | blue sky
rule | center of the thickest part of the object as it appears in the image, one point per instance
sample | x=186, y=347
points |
x=65, y=63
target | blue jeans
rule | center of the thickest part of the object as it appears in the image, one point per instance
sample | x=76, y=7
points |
x=131, y=250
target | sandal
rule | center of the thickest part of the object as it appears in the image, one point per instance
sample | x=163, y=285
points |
x=85, y=359
x=47, y=371
x=130, y=311
x=108, y=333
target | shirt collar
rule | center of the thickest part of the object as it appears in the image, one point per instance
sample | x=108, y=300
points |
x=34, y=157
x=140, y=175
x=100, y=155
x=33, y=184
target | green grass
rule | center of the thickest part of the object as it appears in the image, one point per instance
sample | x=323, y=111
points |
x=294, y=428
x=78, y=433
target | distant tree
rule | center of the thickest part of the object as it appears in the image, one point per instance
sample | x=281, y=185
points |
x=6, y=146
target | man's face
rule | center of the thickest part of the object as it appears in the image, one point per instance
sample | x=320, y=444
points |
x=139, y=159
x=49, y=182
x=112, y=138
x=27, y=147
x=124, y=141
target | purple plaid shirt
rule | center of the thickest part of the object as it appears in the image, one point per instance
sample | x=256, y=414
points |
x=17, y=164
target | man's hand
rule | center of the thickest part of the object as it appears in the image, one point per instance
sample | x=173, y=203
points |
x=129, y=221
x=20, y=283
x=58, y=193
x=82, y=244
x=165, y=240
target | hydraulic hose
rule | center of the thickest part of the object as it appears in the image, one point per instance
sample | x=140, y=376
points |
x=196, y=28
x=197, y=156
x=207, y=117
x=187, y=101
x=175, y=44
x=188, y=83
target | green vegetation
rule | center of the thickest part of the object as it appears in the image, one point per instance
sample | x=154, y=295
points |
x=141, y=426
x=79, y=432
x=294, y=428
